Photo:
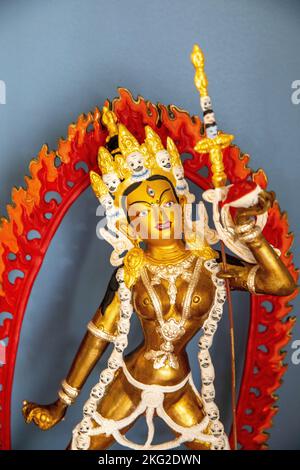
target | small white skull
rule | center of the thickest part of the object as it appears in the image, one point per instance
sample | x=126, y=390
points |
x=98, y=391
x=89, y=408
x=207, y=376
x=126, y=305
x=208, y=393
x=125, y=314
x=124, y=293
x=216, y=314
x=220, y=444
x=135, y=163
x=210, y=328
x=126, y=309
x=205, y=342
x=163, y=159
x=211, y=264
x=219, y=282
x=121, y=343
x=178, y=172
x=112, y=181
x=106, y=376
x=123, y=327
x=204, y=358
x=212, y=411
x=85, y=426
x=107, y=202
x=120, y=275
x=221, y=297
x=205, y=103
x=217, y=428
x=115, y=360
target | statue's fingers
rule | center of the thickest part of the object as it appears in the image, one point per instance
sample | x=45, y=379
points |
x=26, y=409
x=265, y=204
x=267, y=197
x=30, y=415
x=41, y=419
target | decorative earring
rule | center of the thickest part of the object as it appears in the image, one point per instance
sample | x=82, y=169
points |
x=137, y=241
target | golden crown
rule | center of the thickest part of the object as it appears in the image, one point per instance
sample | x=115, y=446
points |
x=134, y=161
x=106, y=162
x=153, y=141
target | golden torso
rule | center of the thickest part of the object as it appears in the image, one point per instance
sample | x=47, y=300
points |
x=202, y=297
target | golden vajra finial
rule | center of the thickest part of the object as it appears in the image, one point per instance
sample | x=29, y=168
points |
x=200, y=79
x=215, y=140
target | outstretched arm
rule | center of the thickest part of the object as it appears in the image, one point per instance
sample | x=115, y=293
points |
x=270, y=275
x=88, y=354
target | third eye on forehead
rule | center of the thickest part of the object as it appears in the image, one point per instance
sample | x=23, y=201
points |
x=139, y=209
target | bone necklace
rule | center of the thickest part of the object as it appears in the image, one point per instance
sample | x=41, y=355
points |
x=170, y=330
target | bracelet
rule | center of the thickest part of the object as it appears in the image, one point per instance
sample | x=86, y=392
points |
x=251, y=279
x=72, y=392
x=65, y=398
x=250, y=236
x=100, y=333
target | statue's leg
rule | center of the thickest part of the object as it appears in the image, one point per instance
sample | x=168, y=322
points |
x=186, y=409
x=119, y=401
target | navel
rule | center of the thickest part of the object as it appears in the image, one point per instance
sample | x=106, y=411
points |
x=146, y=301
x=196, y=299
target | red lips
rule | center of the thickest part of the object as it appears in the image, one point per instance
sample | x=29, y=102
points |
x=164, y=225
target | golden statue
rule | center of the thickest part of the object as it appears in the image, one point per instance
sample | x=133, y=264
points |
x=176, y=285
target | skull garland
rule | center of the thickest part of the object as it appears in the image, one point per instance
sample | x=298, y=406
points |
x=82, y=432
x=207, y=370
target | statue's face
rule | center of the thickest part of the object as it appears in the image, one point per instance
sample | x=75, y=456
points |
x=154, y=212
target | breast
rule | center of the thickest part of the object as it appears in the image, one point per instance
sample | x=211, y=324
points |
x=202, y=298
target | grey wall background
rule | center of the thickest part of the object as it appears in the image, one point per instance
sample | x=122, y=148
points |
x=60, y=58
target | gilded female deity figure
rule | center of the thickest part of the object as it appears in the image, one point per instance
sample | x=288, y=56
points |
x=168, y=274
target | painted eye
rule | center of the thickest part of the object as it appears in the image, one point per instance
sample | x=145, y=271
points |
x=143, y=213
x=168, y=204
x=150, y=191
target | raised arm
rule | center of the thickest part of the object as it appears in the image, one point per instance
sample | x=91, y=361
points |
x=100, y=331
x=269, y=275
